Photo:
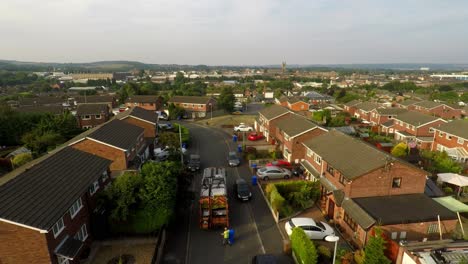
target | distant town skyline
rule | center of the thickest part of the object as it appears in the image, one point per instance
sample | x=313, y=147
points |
x=235, y=32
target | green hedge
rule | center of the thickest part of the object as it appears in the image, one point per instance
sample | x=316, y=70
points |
x=303, y=248
x=184, y=131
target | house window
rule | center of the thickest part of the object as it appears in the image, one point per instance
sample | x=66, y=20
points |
x=396, y=183
x=104, y=176
x=309, y=153
x=75, y=208
x=97, y=116
x=330, y=170
x=441, y=134
x=286, y=137
x=348, y=220
x=448, y=137
x=318, y=159
x=394, y=235
x=407, y=126
x=460, y=141
x=186, y=105
x=86, y=117
x=62, y=260
x=58, y=227
x=431, y=130
x=86, y=127
x=342, y=180
x=403, y=235
x=82, y=234
x=433, y=228
x=94, y=187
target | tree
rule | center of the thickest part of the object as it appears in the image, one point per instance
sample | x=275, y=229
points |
x=39, y=142
x=322, y=116
x=170, y=139
x=122, y=195
x=400, y=150
x=21, y=159
x=175, y=111
x=441, y=162
x=375, y=248
x=226, y=99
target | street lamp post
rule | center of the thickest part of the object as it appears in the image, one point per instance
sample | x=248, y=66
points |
x=211, y=110
x=335, y=239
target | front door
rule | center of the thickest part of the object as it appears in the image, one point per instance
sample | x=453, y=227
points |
x=331, y=209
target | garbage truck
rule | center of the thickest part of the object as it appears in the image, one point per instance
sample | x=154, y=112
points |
x=214, y=208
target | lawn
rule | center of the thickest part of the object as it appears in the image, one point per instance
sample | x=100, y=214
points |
x=228, y=120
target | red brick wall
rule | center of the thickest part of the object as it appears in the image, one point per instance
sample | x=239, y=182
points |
x=422, y=131
x=197, y=107
x=441, y=111
x=299, y=106
x=150, y=129
x=295, y=144
x=363, y=114
x=418, y=231
x=116, y=155
x=379, y=182
x=21, y=245
x=147, y=106
x=448, y=143
x=92, y=121
x=350, y=109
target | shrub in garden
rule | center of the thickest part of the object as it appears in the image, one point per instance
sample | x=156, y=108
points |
x=448, y=190
x=302, y=247
x=251, y=156
x=269, y=188
x=324, y=253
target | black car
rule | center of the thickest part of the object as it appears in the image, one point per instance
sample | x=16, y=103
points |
x=265, y=259
x=193, y=163
x=242, y=190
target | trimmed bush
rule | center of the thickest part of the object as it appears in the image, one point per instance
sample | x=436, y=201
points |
x=251, y=156
x=269, y=188
x=302, y=247
x=324, y=253
x=276, y=200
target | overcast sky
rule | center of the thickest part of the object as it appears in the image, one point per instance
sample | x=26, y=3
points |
x=235, y=32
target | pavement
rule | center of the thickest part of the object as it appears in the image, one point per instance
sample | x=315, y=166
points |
x=256, y=232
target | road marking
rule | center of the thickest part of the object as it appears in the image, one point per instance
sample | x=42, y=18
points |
x=249, y=207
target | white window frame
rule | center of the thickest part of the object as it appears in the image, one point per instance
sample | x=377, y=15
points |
x=94, y=187
x=309, y=153
x=286, y=137
x=403, y=235
x=58, y=227
x=97, y=116
x=394, y=235
x=105, y=176
x=318, y=159
x=460, y=141
x=448, y=137
x=82, y=234
x=86, y=117
x=62, y=260
x=441, y=134
x=431, y=130
x=75, y=208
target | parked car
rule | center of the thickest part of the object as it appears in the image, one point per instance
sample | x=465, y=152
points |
x=243, y=128
x=313, y=229
x=265, y=259
x=162, y=115
x=193, y=163
x=165, y=126
x=280, y=163
x=237, y=112
x=273, y=172
x=242, y=190
x=297, y=171
x=161, y=153
x=254, y=136
x=233, y=159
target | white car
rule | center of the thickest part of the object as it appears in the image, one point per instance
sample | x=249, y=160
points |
x=313, y=229
x=243, y=128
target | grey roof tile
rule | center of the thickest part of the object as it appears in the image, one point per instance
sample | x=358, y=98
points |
x=92, y=109
x=295, y=125
x=415, y=118
x=273, y=111
x=190, y=99
x=457, y=128
x=117, y=133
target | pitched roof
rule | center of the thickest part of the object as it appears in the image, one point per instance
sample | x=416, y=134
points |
x=52, y=109
x=457, y=128
x=273, y=111
x=391, y=111
x=283, y=98
x=361, y=217
x=389, y=123
x=296, y=99
x=117, y=133
x=40, y=195
x=367, y=106
x=295, y=125
x=141, y=113
x=411, y=208
x=92, y=109
x=354, y=157
x=352, y=103
x=408, y=102
x=42, y=100
x=92, y=99
x=142, y=99
x=190, y=99
x=427, y=104
x=415, y=118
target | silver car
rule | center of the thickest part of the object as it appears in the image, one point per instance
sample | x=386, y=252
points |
x=273, y=172
x=233, y=159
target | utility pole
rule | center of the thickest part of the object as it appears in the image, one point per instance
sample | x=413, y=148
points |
x=180, y=139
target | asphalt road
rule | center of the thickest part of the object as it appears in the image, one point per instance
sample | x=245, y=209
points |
x=255, y=230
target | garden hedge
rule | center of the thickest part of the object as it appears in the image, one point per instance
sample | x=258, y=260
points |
x=302, y=247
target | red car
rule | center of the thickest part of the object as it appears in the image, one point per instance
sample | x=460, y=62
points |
x=254, y=137
x=280, y=163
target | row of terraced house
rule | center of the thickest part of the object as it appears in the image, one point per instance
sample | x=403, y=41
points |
x=362, y=187
x=424, y=124
x=48, y=210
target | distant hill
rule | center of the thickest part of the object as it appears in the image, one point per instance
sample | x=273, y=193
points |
x=118, y=66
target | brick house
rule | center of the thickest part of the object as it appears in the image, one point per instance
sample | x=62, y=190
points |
x=363, y=110
x=146, y=119
x=406, y=104
x=265, y=123
x=91, y=115
x=117, y=140
x=416, y=129
x=381, y=115
x=437, y=109
x=148, y=102
x=46, y=207
x=291, y=132
x=283, y=101
x=110, y=100
x=41, y=101
x=350, y=170
x=452, y=138
x=297, y=104
x=350, y=106
x=195, y=106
